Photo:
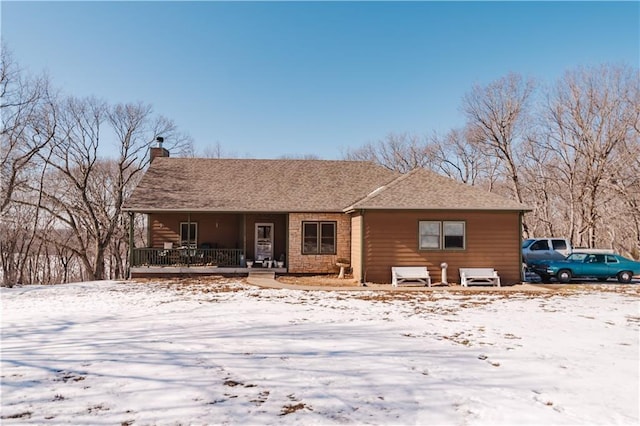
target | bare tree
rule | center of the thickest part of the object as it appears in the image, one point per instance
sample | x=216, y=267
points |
x=459, y=156
x=497, y=113
x=85, y=192
x=590, y=123
x=399, y=152
x=28, y=124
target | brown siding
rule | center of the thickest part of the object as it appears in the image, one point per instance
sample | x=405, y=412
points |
x=319, y=264
x=356, y=246
x=218, y=230
x=391, y=239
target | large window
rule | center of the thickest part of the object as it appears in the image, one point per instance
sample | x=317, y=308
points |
x=438, y=235
x=318, y=237
x=188, y=233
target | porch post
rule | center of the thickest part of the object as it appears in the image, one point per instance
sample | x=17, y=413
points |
x=188, y=239
x=244, y=236
x=131, y=242
x=286, y=242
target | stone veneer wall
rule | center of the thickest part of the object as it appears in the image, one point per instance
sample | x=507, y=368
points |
x=325, y=263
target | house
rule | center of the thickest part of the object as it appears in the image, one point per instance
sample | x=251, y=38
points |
x=231, y=213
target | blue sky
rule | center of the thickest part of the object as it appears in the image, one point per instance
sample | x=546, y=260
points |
x=266, y=79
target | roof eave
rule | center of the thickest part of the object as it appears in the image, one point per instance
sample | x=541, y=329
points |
x=352, y=209
x=208, y=210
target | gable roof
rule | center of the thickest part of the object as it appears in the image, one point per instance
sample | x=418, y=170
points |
x=423, y=189
x=247, y=185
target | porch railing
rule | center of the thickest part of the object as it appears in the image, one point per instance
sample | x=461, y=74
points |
x=186, y=257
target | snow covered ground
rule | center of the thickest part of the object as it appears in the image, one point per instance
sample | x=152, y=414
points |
x=105, y=353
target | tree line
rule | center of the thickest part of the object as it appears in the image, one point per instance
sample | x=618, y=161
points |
x=61, y=197
x=570, y=152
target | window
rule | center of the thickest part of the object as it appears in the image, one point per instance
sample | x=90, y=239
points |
x=318, y=237
x=453, y=235
x=540, y=245
x=436, y=235
x=188, y=233
x=559, y=244
x=429, y=235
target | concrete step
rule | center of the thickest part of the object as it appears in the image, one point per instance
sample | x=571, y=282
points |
x=262, y=273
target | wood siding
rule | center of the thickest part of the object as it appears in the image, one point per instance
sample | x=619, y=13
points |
x=391, y=239
x=217, y=230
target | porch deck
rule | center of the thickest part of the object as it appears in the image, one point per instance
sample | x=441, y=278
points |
x=159, y=271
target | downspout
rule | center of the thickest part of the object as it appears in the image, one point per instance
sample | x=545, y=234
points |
x=286, y=242
x=522, y=272
x=131, y=242
x=362, y=251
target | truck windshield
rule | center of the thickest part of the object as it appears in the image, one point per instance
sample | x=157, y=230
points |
x=526, y=243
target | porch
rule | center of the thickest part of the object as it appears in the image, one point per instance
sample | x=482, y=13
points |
x=187, y=257
x=220, y=239
x=192, y=261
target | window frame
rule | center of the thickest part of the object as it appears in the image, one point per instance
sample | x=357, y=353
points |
x=319, y=237
x=442, y=236
x=193, y=238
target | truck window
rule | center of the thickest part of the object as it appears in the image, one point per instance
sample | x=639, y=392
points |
x=540, y=245
x=559, y=244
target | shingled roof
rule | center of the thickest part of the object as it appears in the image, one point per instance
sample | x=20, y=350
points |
x=423, y=189
x=246, y=185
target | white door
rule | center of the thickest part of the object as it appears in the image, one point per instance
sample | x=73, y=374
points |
x=264, y=241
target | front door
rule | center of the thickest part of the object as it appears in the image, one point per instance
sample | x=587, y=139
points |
x=264, y=241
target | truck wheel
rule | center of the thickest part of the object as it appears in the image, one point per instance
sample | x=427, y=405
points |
x=625, y=277
x=564, y=276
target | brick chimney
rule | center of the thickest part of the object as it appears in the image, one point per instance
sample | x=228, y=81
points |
x=158, y=151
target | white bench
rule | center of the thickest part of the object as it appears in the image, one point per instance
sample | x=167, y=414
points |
x=402, y=274
x=479, y=276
